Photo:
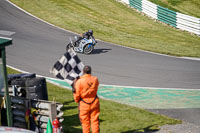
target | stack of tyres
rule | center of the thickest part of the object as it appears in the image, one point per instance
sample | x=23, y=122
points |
x=29, y=86
x=12, y=77
x=36, y=88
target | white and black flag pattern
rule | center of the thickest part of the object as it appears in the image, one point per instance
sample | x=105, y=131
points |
x=68, y=67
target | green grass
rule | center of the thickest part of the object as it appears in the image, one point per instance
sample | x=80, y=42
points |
x=189, y=7
x=12, y=71
x=114, y=117
x=114, y=22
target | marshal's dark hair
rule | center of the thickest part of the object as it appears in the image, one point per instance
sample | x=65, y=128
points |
x=87, y=69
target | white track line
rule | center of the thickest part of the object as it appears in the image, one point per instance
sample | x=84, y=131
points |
x=39, y=18
x=6, y=38
x=151, y=88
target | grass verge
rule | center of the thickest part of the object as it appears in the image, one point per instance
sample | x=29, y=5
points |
x=116, y=23
x=114, y=117
x=189, y=7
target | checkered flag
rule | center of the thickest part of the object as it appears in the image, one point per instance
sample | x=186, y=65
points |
x=68, y=67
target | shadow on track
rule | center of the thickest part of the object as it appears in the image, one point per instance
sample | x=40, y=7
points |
x=100, y=51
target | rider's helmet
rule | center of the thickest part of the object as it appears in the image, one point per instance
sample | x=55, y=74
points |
x=90, y=32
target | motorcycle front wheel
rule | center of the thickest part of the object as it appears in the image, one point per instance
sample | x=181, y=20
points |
x=88, y=49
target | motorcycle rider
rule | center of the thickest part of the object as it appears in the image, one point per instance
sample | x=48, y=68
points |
x=79, y=44
x=86, y=35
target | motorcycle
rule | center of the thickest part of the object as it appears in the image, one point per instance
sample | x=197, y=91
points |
x=83, y=45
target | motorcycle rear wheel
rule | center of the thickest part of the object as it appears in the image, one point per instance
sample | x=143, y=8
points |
x=88, y=49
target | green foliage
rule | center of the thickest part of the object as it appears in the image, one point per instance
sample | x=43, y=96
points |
x=116, y=23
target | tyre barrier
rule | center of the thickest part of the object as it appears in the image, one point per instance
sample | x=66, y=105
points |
x=30, y=108
x=28, y=86
x=33, y=114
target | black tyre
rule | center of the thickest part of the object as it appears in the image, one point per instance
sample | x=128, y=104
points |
x=18, y=82
x=19, y=76
x=88, y=49
x=36, y=88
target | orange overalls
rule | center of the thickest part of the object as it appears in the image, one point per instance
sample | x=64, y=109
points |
x=86, y=95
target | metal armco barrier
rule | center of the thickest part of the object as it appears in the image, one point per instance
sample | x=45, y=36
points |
x=43, y=111
x=188, y=23
x=167, y=16
x=136, y=4
x=150, y=9
x=175, y=19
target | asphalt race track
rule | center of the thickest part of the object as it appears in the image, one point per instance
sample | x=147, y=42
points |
x=38, y=45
